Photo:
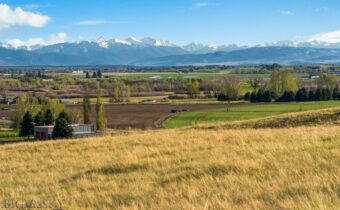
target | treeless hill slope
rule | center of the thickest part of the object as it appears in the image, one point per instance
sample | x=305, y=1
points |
x=292, y=168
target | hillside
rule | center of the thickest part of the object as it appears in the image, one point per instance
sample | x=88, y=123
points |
x=292, y=168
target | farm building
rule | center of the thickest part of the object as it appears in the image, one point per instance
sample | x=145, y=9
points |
x=79, y=131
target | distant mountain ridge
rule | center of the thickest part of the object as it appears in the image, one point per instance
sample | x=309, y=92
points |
x=255, y=55
x=156, y=52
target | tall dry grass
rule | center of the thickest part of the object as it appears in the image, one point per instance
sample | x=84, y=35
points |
x=292, y=168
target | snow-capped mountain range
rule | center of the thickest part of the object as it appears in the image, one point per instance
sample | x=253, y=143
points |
x=193, y=47
x=150, y=51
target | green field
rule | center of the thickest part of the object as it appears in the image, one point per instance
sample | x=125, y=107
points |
x=165, y=75
x=10, y=136
x=243, y=113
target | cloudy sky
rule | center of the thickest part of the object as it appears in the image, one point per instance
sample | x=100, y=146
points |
x=245, y=22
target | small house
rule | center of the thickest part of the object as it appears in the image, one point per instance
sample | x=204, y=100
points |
x=79, y=131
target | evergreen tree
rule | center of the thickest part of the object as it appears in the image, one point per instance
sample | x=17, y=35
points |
x=301, y=95
x=99, y=74
x=62, y=129
x=247, y=96
x=287, y=96
x=27, y=125
x=49, y=119
x=64, y=115
x=304, y=94
x=88, y=75
x=328, y=95
x=267, y=97
x=298, y=96
x=222, y=97
x=318, y=95
x=94, y=75
x=100, y=118
x=290, y=96
x=253, y=98
x=259, y=96
x=87, y=107
x=39, y=119
x=311, y=96
x=336, y=94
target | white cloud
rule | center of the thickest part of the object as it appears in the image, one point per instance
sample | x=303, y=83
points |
x=201, y=4
x=90, y=22
x=286, y=12
x=329, y=37
x=18, y=17
x=52, y=39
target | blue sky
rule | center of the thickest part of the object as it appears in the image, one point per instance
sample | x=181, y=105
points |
x=245, y=22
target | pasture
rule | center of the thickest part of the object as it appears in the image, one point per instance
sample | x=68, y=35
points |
x=243, y=113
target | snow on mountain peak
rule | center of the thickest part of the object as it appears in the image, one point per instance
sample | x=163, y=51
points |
x=119, y=41
x=213, y=46
x=133, y=40
x=157, y=42
x=102, y=42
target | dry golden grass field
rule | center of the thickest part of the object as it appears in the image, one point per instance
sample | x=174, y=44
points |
x=287, y=168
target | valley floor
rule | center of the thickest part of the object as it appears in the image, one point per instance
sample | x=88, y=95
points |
x=290, y=168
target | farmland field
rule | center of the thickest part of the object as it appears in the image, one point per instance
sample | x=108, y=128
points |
x=144, y=116
x=243, y=113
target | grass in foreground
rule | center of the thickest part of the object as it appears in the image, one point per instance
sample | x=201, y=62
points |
x=243, y=113
x=295, y=168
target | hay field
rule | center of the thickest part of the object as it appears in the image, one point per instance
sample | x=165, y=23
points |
x=290, y=168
